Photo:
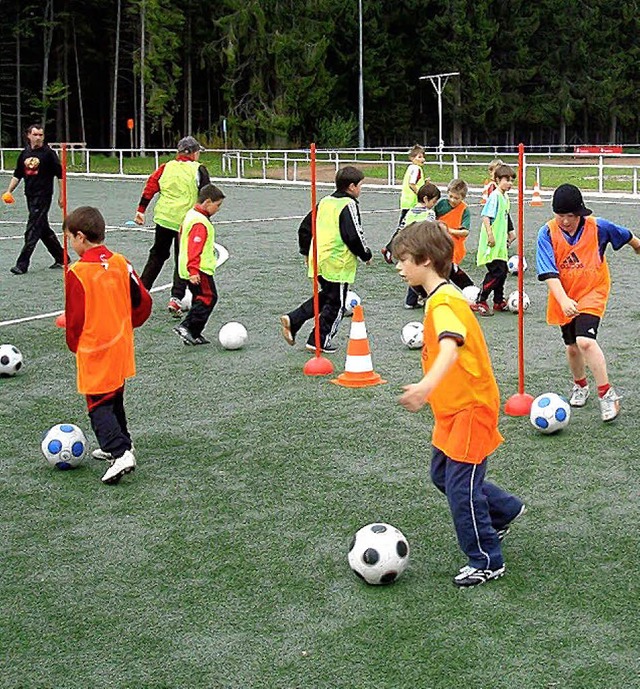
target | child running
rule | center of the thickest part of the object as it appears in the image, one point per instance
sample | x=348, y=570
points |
x=411, y=182
x=460, y=386
x=496, y=234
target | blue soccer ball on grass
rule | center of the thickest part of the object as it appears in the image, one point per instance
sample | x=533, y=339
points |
x=550, y=413
x=64, y=446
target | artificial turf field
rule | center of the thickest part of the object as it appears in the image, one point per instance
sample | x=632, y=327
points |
x=221, y=562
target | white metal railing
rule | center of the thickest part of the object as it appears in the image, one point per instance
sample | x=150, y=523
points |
x=611, y=173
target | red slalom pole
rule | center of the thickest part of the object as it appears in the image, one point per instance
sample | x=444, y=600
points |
x=61, y=320
x=520, y=403
x=319, y=365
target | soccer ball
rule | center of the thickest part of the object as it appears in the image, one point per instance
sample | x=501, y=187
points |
x=514, y=301
x=412, y=335
x=186, y=301
x=550, y=413
x=232, y=335
x=471, y=293
x=379, y=553
x=513, y=264
x=10, y=360
x=64, y=446
x=352, y=300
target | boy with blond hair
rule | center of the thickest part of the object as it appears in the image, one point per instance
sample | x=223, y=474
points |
x=459, y=384
x=455, y=214
x=413, y=179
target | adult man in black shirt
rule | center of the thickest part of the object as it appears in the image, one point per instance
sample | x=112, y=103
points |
x=38, y=164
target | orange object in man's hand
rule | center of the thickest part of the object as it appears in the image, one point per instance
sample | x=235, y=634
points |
x=7, y=197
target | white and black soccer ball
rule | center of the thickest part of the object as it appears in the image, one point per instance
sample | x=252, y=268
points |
x=11, y=360
x=513, y=301
x=549, y=413
x=351, y=300
x=471, y=293
x=412, y=335
x=513, y=264
x=233, y=335
x=64, y=446
x=379, y=553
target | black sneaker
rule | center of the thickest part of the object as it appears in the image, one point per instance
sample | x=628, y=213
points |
x=185, y=335
x=327, y=349
x=201, y=339
x=55, y=265
x=504, y=531
x=472, y=576
x=17, y=271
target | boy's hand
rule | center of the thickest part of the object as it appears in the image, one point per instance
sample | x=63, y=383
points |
x=194, y=279
x=413, y=398
x=139, y=218
x=569, y=307
x=491, y=240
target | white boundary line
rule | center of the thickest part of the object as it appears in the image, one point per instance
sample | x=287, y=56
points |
x=223, y=256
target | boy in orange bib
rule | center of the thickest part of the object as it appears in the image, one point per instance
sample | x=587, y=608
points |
x=459, y=385
x=570, y=259
x=104, y=302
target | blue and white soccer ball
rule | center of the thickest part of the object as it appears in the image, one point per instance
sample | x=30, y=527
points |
x=64, y=446
x=379, y=553
x=513, y=264
x=412, y=335
x=351, y=300
x=550, y=413
x=10, y=360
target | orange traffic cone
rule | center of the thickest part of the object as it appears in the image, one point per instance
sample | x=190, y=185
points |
x=485, y=192
x=358, y=369
x=536, y=199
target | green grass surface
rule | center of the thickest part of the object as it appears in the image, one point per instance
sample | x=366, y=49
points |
x=221, y=562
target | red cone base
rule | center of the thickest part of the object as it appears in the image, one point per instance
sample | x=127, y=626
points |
x=318, y=366
x=61, y=320
x=518, y=405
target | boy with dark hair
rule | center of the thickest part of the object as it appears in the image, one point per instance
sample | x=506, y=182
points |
x=428, y=197
x=104, y=301
x=37, y=165
x=570, y=259
x=496, y=234
x=198, y=263
x=177, y=183
x=340, y=243
x=413, y=179
x=460, y=386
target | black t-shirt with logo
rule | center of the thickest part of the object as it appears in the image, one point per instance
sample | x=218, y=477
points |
x=37, y=167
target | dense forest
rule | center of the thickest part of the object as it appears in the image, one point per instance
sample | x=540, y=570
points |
x=281, y=73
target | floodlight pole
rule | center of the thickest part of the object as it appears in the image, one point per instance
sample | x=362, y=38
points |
x=438, y=84
x=360, y=82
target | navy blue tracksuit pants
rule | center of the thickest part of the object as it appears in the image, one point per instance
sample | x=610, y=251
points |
x=478, y=508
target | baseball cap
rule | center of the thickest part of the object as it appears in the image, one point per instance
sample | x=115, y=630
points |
x=567, y=198
x=189, y=145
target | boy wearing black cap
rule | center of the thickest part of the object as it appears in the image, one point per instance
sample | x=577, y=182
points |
x=177, y=183
x=570, y=259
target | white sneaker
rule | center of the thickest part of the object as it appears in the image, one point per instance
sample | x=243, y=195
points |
x=121, y=466
x=579, y=395
x=103, y=456
x=610, y=405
